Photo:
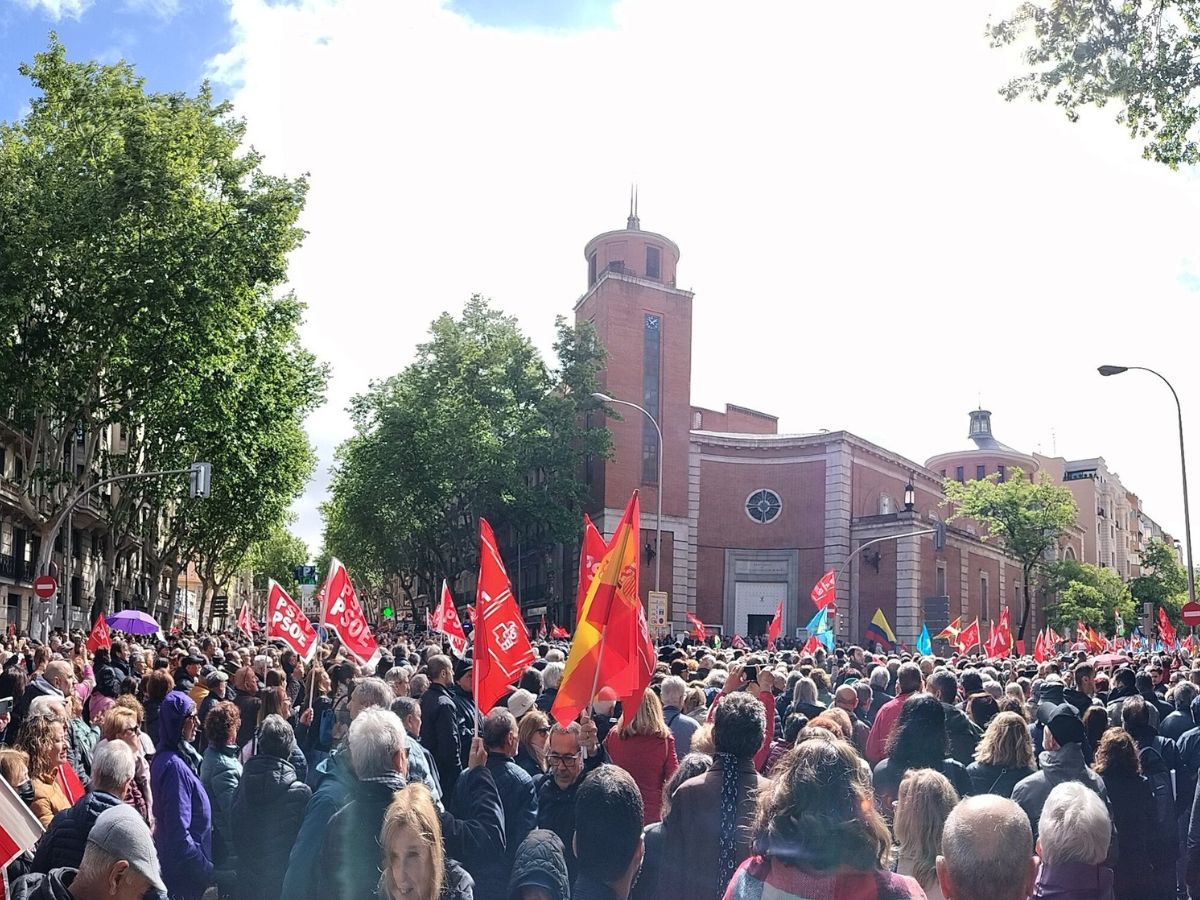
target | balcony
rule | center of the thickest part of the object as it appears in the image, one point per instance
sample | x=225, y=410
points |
x=15, y=569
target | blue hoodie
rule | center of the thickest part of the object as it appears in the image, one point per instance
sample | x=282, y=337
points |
x=183, y=829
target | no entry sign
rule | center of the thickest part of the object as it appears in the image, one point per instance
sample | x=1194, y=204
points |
x=46, y=587
x=1190, y=613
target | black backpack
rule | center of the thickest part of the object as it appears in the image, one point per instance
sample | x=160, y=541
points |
x=1162, y=785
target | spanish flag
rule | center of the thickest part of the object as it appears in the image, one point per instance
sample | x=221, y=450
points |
x=880, y=631
x=612, y=648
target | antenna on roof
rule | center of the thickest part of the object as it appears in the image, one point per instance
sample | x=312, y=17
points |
x=633, y=224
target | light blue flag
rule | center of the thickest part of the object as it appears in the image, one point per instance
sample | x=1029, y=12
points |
x=819, y=628
x=924, y=644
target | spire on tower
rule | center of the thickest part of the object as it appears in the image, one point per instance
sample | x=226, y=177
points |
x=633, y=223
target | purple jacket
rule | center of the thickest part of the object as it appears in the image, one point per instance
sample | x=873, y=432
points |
x=1074, y=881
x=183, y=817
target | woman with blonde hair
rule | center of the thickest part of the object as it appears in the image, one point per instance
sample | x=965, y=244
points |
x=415, y=864
x=817, y=833
x=645, y=748
x=14, y=768
x=533, y=733
x=121, y=724
x=1004, y=756
x=925, y=800
x=695, y=704
x=44, y=739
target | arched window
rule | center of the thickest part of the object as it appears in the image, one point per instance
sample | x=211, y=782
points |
x=1069, y=552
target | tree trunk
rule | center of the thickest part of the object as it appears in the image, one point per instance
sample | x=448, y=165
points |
x=1028, y=603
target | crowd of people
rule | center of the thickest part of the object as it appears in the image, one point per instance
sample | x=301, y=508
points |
x=216, y=766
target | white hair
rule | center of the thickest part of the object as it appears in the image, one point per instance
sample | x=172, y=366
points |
x=1074, y=826
x=49, y=705
x=374, y=692
x=552, y=674
x=673, y=688
x=554, y=655
x=376, y=735
x=113, y=765
x=995, y=688
x=880, y=678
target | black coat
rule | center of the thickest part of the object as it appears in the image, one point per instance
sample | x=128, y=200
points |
x=439, y=734
x=518, y=798
x=1131, y=804
x=989, y=779
x=267, y=810
x=556, y=807
x=66, y=838
x=540, y=859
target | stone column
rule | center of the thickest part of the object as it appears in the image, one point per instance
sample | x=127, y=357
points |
x=839, y=465
x=908, y=584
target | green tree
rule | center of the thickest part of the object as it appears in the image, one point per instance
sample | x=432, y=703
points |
x=142, y=244
x=276, y=555
x=1163, y=581
x=1139, y=56
x=1027, y=518
x=478, y=425
x=1088, y=594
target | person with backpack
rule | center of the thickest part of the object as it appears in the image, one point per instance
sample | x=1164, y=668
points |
x=1159, y=759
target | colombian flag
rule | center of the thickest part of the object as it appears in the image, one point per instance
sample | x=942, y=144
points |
x=879, y=630
x=612, y=648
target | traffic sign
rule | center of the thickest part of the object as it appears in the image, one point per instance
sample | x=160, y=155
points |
x=658, y=613
x=45, y=587
x=1190, y=613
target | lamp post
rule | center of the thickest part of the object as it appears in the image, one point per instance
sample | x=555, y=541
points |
x=1187, y=517
x=604, y=398
x=910, y=495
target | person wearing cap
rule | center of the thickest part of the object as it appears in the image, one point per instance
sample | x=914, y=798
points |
x=118, y=862
x=468, y=717
x=188, y=672
x=1061, y=761
x=520, y=702
x=215, y=681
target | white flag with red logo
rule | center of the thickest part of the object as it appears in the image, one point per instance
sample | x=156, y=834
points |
x=342, y=613
x=245, y=621
x=445, y=621
x=19, y=829
x=287, y=622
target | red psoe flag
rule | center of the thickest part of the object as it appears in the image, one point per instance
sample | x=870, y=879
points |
x=698, y=628
x=502, y=648
x=776, y=627
x=287, y=622
x=445, y=621
x=69, y=782
x=1165, y=628
x=824, y=592
x=342, y=613
x=557, y=631
x=99, y=636
x=245, y=621
x=590, y=554
x=969, y=637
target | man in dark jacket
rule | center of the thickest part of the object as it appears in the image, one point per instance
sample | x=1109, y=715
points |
x=1159, y=757
x=439, y=723
x=467, y=717
x=267, y=810
x=517, y=796
x=1182, y=719
x=572, y=753
x=1083, y=694
x=65, y=840
x=963, y=733
x=187, y=673
x=608, y=835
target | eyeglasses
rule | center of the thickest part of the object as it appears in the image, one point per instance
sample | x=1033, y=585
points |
x=560, y=759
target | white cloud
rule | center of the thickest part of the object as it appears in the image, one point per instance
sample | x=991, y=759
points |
x=877, y=241
x=59, y=9
x=163, y=9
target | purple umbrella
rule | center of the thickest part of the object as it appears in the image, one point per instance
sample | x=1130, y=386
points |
x=133, y=621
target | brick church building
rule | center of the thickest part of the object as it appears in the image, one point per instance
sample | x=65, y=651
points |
x=752, y=517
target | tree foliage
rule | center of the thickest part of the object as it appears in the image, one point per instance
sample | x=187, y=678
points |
x=1141, y=56
x=478, y=425
x=143, y=245
x=1088, y=594
x=276, y=555
x=1026, y=517
x=1163, y=581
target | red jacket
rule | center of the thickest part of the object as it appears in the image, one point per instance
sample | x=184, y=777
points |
x=650, y=760
x=767, y=700
x=881, y=730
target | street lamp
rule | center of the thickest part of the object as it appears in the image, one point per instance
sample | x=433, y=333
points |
x=1187, y=517
x=604, y=398
x=910, y=495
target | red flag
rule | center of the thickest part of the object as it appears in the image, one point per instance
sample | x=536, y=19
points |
x=541, y=632
x=287, y=622
x=812, y=645
x=19, y=829
x=1004, y=638
x=738, y=643
x=342, y=613
x=502, y=648
x=1040, y=652
x=445, y=621
x=1165, y=629
x=824, y=592
x=590, y=554
x=628, y=534
x=1052, y=638
x=776, y=627
x=245, y=621
x=99, y=636
x=69, y=782
x=698, y=629
x=969, y=637
x=557, y=631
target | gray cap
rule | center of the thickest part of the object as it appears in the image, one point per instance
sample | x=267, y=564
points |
x=120, y=832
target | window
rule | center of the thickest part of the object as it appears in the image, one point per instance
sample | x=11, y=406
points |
x=983, y=595
x=19, y=468
x=958, y=474
x=943, y=474
x=653, y=263
x=651, y=380
x=980, y=473
x=3, y=462
x=940, y=583
x=592, y=268
x=1000, y=471
x=763, y=506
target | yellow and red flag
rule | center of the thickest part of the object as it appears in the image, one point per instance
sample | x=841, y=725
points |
x=611, y=648
x=590, y=554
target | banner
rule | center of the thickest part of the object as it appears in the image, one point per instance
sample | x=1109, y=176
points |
x=99, y=636
x=969, y=637
x=342, y=612
x=557, y=631
x=776, y=627
x=502, y=648
x=287, y=622
x=824, y=592
x=950, y=632
x=445, y=621
x=590, y=554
